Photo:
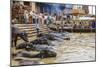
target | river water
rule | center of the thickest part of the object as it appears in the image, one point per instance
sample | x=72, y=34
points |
x=80, y=47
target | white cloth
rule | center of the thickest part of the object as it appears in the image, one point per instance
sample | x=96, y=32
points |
x=14, y=20
x=45, y=17
x=27, y=16
x=31, y=13
x=37, y=25
x=34, y=15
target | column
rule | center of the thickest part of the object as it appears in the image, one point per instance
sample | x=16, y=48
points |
x=33, y=6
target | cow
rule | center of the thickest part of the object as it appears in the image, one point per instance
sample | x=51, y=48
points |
x=15, y=33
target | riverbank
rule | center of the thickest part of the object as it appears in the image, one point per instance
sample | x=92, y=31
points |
x=80, y=47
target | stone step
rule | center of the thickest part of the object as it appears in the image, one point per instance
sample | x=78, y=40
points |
x=26, y=25
x=31, y=27
x=31, y=30
x=30, y=34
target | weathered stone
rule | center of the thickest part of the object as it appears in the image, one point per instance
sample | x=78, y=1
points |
x=28, y=62
x=47, y=36
x=40, y=41
x=26, y=46
x=42, y=54
x=64, y=36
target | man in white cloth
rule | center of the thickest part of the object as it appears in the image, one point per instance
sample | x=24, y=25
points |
x=26, y=16
x=37, y=25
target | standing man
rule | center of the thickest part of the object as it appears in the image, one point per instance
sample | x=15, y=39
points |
x=45, y=19
x=33, y=16
x=81, y=27
x=37, y=23
x=26, y=16
x=93, y=24
x=63, y=19
x=30, y=16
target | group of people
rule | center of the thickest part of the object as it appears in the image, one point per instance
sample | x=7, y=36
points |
x=24, y=14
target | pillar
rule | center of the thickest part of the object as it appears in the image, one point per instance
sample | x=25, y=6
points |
x=33, y=6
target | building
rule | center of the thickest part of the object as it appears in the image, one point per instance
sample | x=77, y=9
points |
x=86, y=9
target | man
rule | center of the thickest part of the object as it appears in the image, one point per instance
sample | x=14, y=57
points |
x=21, y=14
x=33, y=16
x=94, y=24
x=63, y=19
x=14, y=20
x=37, y=23
x=81, y=27
x=48, y=20
x=26, y=16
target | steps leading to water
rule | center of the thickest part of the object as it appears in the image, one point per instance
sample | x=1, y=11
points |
x=31, y=30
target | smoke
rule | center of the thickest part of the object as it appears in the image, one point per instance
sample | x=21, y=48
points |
x=56, y=8
x=69, y=6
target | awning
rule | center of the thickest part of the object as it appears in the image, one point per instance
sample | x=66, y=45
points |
x=78, y=12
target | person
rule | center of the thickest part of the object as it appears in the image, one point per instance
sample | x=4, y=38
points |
x=33, y=16
x=45, y=19
x=37, y=24
x=26, y=16
x=62, y=27
x=48, y=20
x=21, y=14
x=14, y=20
x=53, y=19
x=80, y=27
x=93, y=24
x=63, y=19
x=30, y=16
x=40, y=15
